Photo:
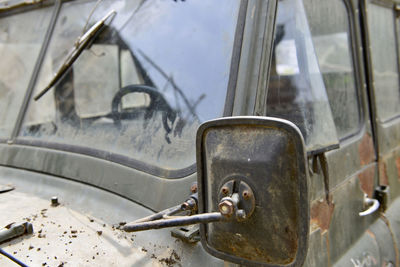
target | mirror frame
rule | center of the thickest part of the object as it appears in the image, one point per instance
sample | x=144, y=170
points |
x=304, y=206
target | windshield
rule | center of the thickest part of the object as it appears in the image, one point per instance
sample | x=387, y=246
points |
x=20, y=43
x=141, y=89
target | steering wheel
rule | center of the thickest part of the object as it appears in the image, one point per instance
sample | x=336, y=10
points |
x=157, y=103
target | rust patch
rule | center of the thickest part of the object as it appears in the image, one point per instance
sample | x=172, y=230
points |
x=366, y=150
x=367, y=180
x=398, y=167
x=383, y=178
x=321, y=214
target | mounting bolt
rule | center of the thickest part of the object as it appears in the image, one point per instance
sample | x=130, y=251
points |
x=193, y=188
x=246, y=194
x=226, y=208
x=225, y=190
x=54, y=201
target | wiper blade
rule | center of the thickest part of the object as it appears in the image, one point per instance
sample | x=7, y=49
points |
x=10, y=4
x=73, y=55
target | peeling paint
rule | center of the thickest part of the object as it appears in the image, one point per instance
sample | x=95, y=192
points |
x=383, y=178
x=366, y=178
x=321, y=214
x=366, y=150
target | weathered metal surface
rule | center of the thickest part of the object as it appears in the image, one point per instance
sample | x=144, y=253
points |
x=90, y=217
x=383, y=178
x=367, y=180
x=65, y=236
x=386, y=244
x=365, y=252
x=321, y=214
x=318, y=250
x=398, y=167
x=392, y=220
x=366, y=150
x=343, y=163
x=97, y=172
x=390, y=172
x=347, y=226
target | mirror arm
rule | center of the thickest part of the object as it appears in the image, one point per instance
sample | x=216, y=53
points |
x=228, y=210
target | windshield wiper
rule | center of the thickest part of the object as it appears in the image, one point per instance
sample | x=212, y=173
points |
x=9, y=4
x=80, y=44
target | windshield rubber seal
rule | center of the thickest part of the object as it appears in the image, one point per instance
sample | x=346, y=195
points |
x=236, y=52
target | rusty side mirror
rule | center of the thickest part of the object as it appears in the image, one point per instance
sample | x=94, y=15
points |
x=253, y=171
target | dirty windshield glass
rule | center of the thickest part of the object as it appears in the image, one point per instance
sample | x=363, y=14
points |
x=296, y=90
x=21, y=37
x=141, y=89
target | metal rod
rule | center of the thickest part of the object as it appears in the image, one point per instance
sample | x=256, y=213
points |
x=180, y=221
x=16, y=230
x=161, y=214
x=17, y=261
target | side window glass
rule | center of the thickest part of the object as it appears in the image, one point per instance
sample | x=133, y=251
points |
x=296, y=90
x=385, y=72
x=332, y=42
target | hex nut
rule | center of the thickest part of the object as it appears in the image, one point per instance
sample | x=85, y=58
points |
x=226, y=208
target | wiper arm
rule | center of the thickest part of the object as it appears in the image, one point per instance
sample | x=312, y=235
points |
x=8, y=5
x=73, y=55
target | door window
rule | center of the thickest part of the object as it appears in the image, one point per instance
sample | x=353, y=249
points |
x=332, y=41
x=385, y=72
x=296, y=89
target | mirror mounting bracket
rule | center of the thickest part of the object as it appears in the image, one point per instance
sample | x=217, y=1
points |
x=240, y=205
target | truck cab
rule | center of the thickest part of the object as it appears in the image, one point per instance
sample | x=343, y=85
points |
x=118, y=113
